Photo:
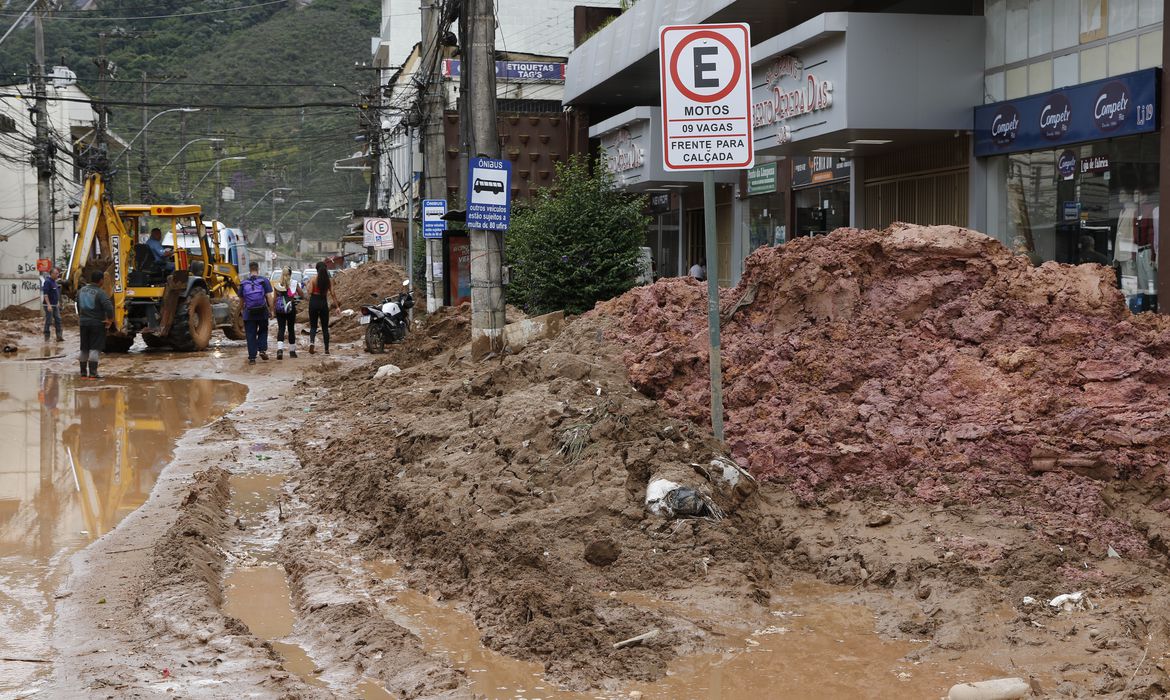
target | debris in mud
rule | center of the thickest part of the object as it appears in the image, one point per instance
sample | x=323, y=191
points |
x=997, y=689
x=492, y=480
x=926, y=364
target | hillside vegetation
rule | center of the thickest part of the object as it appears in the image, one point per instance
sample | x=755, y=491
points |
x=205, y=53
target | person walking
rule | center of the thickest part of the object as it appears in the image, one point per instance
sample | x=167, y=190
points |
x=95, y=313
x=258, y=305
x=320, y=287
x=51, y=303
x=287, y=291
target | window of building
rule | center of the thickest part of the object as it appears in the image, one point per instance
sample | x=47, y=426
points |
x=1091, y=203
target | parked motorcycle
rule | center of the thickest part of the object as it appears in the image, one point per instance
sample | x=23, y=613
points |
x=387, y=322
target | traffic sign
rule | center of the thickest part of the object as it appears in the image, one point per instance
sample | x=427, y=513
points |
x=706, y=78
x=489, y=193
x=377, y=233
x=432, y=215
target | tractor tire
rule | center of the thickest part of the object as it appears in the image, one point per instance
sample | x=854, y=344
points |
x=119, y=343
x=236, y=330
x=193, y=323
x=375, y=342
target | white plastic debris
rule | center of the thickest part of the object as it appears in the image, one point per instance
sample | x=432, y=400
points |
x=657, y=491
x=1112, y=553
x=1029, y=600
x=347, y=312
x=995, y=689
x=386, y=371
x=1070, y=601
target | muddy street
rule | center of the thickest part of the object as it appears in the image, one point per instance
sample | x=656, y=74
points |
x=195, y=526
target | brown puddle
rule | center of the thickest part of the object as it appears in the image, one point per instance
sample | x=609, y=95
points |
x=259, y=597
x=452, y=633
x=80, y=456
x=806, y=648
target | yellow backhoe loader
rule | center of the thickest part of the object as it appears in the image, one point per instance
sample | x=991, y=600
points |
x=173, y=303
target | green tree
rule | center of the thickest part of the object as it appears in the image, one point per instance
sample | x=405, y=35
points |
x=577, y=243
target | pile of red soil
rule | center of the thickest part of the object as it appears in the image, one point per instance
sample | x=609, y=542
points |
x=921, y=363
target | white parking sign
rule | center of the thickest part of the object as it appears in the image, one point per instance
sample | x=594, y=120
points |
x=706, y=78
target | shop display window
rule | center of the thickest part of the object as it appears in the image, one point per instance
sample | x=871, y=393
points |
x=821, y=210
x=767, y=215
x=1095, y=203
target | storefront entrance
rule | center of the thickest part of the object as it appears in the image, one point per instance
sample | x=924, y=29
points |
x=820, y=197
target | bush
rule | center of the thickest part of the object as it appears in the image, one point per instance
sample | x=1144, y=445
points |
x=577, y=243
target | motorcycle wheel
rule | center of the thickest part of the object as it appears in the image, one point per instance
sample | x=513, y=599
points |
x=375, y=343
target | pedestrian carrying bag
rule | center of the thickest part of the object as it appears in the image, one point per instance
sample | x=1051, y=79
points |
x=253, y=294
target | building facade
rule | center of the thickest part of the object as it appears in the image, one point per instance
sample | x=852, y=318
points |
x=1069, y=143
x=1034, y=121
x=72, y=121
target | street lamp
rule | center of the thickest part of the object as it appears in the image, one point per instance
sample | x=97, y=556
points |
x=147, y=125
x=294, y=206
x=172, y=160
x=316, y=213
x=215, y=166
x=274, y=189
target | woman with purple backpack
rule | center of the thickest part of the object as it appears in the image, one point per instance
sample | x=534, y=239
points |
x=288, y=291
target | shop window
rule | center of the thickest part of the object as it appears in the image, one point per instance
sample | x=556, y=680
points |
x=767, y=215
x=821, y=210
x=1104, y=210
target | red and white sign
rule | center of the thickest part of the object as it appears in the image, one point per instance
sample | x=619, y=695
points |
x=706, y=78
x=377, y=233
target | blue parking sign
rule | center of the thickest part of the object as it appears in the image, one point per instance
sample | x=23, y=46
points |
x=489, y=193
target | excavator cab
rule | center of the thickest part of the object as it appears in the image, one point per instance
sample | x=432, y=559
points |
x=176, y=301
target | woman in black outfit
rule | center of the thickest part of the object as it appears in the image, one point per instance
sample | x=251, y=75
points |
x=319, y=287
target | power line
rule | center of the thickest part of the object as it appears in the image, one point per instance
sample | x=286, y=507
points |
x=201, y=84
x=87, y=15
x=126, y=103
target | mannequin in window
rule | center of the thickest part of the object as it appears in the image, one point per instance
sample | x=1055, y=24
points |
x=1124, y=247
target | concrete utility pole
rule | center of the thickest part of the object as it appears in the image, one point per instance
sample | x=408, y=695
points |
x=183, y=178
x=44, y=149
x=478, y=103
x=434, y=146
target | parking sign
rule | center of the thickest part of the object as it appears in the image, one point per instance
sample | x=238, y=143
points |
x=706, y=78
x=489, y=193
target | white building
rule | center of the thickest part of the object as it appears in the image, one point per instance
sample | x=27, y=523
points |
x=71, y=123
x=523, y=26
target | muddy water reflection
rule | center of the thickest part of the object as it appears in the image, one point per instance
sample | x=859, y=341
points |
x=78, y=456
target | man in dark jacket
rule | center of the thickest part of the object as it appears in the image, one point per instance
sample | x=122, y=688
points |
x=51, y=303
x=95, y=311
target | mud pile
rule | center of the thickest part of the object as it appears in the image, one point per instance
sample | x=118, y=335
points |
x=499, y=483
x=356, y=287
x=19, y=313
x=923, y=363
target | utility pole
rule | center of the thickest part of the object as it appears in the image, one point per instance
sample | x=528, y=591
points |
x=44, y=149
x=434, y=146
x=143, y=163
x=183, y=178
x=478, y=107
x=218, y=148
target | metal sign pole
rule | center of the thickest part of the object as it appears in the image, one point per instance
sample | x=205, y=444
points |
x=713, y=304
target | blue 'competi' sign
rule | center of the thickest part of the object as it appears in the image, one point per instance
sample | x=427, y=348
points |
x=1120, y=106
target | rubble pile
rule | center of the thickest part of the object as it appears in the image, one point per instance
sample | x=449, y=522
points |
x=920, y=363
